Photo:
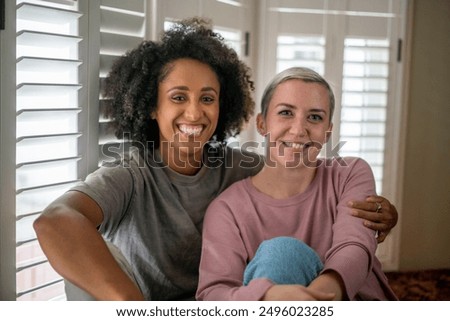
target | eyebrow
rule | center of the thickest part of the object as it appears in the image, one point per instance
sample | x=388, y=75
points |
x=314, y=110
x=187, y=88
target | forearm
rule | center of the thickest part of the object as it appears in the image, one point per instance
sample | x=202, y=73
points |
x=329, y=282
x=78, y=252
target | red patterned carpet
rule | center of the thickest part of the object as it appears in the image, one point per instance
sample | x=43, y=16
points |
x=427, y=285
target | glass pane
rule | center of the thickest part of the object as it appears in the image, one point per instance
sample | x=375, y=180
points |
x=362, y=129
x=354, y=144
x=365, y=70
x=360, y=42
x=301, y=51
x=36, y=276
x=377, y=171
x=29, y=253
x=53, y=292
x=366, y=55
x=317, y=66
x=364, y=99
x=365, y=84
x=374, y=158
x=363, y=114
x=24, y=229
x=305, y=40
x=232, y=37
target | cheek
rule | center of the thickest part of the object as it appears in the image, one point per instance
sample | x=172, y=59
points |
x=320, y=135
x=275, y=127
x=213, y=114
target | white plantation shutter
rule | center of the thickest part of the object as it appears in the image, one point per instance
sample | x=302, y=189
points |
x=52, y=126
x=122, y=27
x=296, y=50
x=233, y=38
x=47, y=130
x=364, y=101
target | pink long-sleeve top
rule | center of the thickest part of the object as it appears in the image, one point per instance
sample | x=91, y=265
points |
x=242, y=217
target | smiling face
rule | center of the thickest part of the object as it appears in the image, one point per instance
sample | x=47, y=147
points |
x=187, y=110
x=297, y=123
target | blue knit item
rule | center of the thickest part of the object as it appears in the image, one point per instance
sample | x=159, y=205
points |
x=284, y=260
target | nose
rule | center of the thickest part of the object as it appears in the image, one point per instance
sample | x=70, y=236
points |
x=299, y=127
x=193, y=111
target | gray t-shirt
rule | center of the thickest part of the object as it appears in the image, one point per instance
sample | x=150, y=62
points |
x=155, y=215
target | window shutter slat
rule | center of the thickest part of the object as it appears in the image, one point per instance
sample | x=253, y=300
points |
x=48, y=173
x=47, y=130
x=294, y=50
x=118, y=44
x=364, y=101
x=35, y=200
x=137, y=6
x=122, y=28
x=112, y=22
x=32, y=123
x=28, y=254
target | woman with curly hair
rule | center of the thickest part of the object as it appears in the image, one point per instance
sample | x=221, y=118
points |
x=132, y=229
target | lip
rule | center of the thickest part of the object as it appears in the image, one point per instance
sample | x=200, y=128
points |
x=191, y=130
x=296, y=145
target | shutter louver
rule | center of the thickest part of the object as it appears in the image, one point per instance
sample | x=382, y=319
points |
x=301, y=51
x=122, y=28
x=46, y=129
x=364, y=102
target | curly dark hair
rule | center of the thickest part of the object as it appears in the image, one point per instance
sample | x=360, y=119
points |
x=131, y=88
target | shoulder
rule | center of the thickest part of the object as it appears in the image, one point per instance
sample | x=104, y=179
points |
x=347, y=172
x=232, y=197
x=125, y=168
x=344, y=164
x=236, y=162
x=233, y=193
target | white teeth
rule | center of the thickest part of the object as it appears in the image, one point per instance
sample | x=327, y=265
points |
x=294, y=145
x=191, y=130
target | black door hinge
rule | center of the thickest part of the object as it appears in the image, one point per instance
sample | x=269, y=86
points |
x=2, y=14
x=399, y=50
x=247, y=44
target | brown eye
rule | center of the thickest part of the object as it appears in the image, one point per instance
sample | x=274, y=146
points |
x=315, y=118
x=208, y=99
x=178, y=98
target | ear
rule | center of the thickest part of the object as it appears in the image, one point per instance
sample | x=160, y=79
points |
x=261, y=124
x=329, y=132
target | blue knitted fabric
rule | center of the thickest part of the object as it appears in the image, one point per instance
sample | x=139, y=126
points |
x=284, y=260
